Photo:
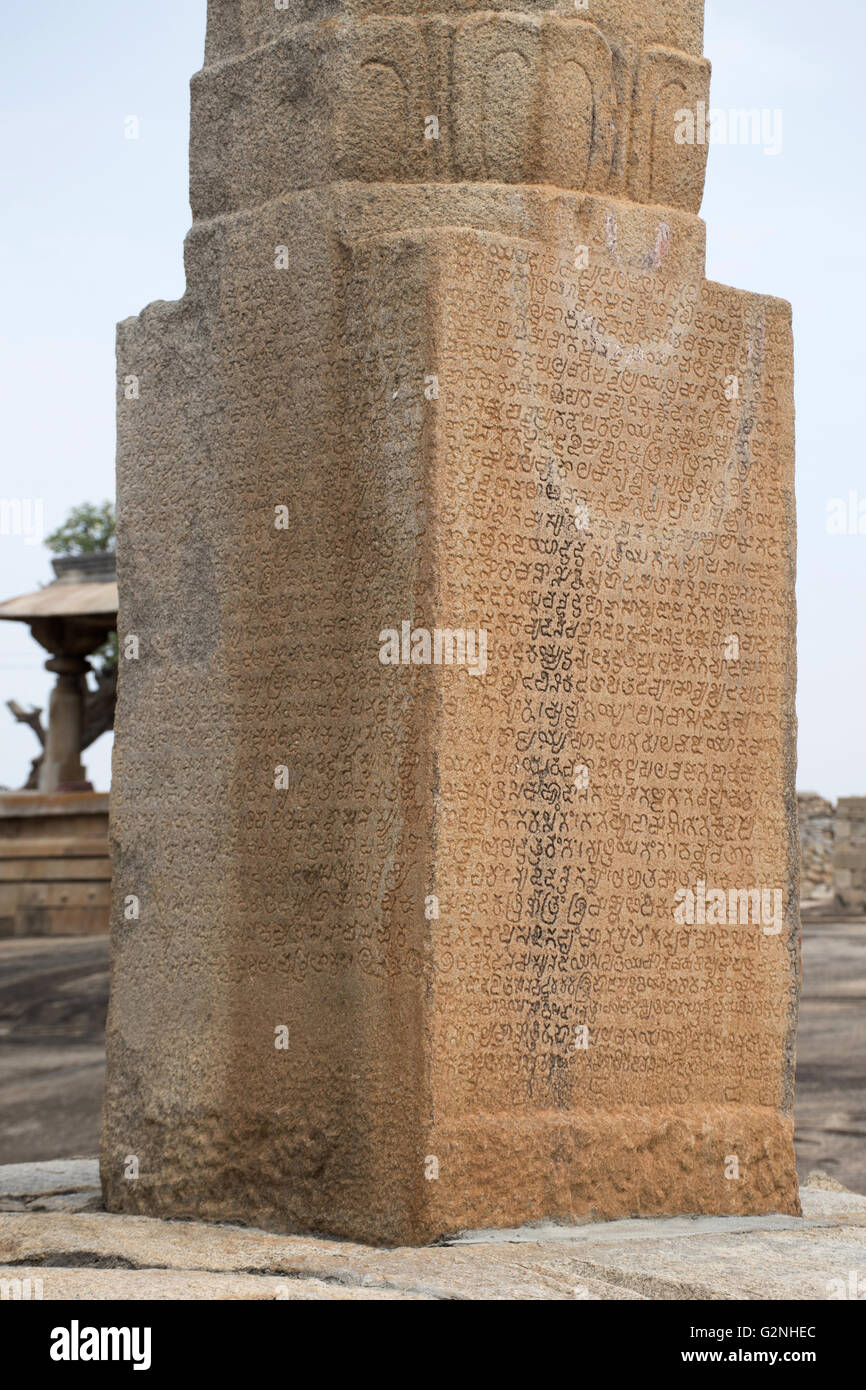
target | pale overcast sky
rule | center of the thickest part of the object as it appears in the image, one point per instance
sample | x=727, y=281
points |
x=92, y=228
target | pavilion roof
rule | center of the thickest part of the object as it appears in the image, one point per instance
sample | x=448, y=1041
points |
x=64, y=598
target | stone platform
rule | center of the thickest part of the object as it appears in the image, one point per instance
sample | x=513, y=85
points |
x=55, y=870
x=51, y=1229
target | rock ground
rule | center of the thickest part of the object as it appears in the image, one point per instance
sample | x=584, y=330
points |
x=81, y=1253
x=830, y=1095
x=53, y=999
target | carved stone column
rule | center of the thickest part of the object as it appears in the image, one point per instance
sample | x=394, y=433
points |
x=454, y=783
x=62, y=769
x=71, y=642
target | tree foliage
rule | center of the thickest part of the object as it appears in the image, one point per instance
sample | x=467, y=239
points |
x=87, y=529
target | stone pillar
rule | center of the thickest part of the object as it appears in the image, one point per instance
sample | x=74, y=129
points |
x=70, y=641
x=62, y=769
x=455, y=831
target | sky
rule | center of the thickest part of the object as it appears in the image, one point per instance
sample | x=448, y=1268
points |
x=92, y=226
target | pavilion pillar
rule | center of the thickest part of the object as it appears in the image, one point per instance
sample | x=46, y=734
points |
x=70, y=641
x=62, y=769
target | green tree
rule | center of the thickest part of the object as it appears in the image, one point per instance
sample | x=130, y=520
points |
x=86, y=530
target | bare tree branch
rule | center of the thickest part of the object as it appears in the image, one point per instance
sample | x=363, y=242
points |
x=29, y=717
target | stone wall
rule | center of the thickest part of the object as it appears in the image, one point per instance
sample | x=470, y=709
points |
x=833, y=853
x=55, y=871
x=849, y=854
x=817, y=837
